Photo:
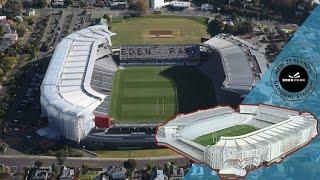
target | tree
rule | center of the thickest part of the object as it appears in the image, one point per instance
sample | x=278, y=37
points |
x=55, y=170
x=141, y=7
x=21, y=31
x=2, y=30
x=43, y=3
x=68, y=2
x=13, y=8
x=108, y=18
x=130, y=165
x=9, y=61
x=84, y=168
x=215, y=27
x=167, y=169
x=38, y=164
x=61, y=156
x=31, y=20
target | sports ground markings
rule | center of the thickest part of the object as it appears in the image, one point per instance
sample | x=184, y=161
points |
x=185, y=30
x=144, y=94
x=156, y=93
x=214, y=137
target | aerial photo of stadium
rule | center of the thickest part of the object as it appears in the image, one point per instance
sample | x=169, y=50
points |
x=233, y=142
x=109, y=96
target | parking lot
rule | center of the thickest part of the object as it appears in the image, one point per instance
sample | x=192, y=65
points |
x=64, y=22
x=24, y=114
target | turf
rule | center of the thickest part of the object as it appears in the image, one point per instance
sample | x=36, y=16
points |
x=136, y=153
x=136, y=30
x=151, y=94
x=237, y=130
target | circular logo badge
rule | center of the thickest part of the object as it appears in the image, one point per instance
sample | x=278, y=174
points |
x=293, y=78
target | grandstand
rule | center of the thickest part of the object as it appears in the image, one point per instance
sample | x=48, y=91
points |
x=73, y=89
x=241, y=62
x=277, y=133
x=160, y=54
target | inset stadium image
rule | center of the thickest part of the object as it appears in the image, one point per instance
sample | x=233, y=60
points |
x=233, y=142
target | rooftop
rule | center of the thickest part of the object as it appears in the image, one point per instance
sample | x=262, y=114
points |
x=67, y=81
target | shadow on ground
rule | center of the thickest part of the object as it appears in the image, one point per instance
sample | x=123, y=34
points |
x=194, y=89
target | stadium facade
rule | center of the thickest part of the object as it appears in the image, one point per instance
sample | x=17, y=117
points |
x=279, y=132
x=76, y=90
x=67, y=95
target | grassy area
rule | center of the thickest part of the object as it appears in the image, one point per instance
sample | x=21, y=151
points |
x=156, y=93
x=237, y=130
x=89, y=175
x=136, y=153
x=186, y=30
x=141, y=94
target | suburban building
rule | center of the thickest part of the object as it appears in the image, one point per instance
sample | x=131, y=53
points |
x=116, y=172
x=7, y=40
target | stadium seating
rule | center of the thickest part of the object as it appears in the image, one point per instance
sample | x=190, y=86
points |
x=160, y=54
x=240, y=71
x=202, y=115
x=101, y=81
x=269, y=118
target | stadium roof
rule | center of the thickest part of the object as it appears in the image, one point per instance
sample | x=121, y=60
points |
x=280, y=124
x=239, y=76
x=66, y=85
x=267, y=134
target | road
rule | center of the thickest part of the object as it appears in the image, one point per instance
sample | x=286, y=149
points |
x=21, y=161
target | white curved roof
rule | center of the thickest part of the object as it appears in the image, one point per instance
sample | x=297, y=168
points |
x=271, y=133
x=67, y=82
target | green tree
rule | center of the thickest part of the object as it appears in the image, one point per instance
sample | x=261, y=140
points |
x=107, y=17
x=84, y=168
x=55, y=170
x=141, y=7
x=43, y=3
x=13, y=8
x=68, y=2
x=21, y=30
x=31, y=20
x=9, y=61
x=1, y=31
x=130, y=164
x=38, y=164
x=215, y=27
x=61, y=157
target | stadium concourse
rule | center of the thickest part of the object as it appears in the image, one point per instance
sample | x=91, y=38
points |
x=76, y=91
x=278, y=132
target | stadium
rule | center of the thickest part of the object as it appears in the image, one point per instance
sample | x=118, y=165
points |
x=112, y=97
x=234, y=142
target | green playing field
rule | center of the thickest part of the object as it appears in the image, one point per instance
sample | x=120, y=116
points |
x=213, y=138
x=185, y=30
x=156, y=93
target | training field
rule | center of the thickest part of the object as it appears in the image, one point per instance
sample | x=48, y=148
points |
x=185, y=30
x=237, y=130
x=149, y=94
